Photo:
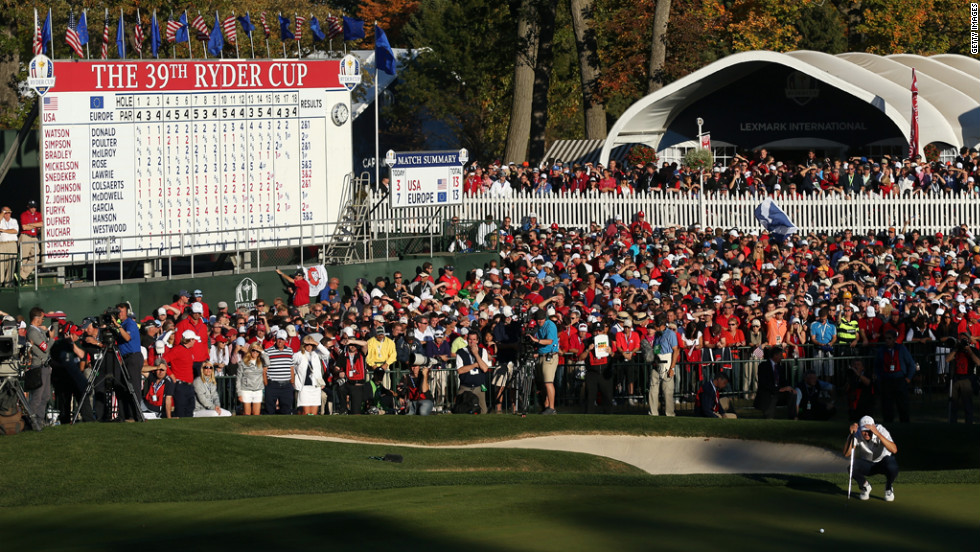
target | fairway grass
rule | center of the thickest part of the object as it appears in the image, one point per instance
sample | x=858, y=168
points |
x=226, y=484
x=533, y=518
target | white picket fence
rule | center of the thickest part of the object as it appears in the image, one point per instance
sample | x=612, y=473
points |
x=832, y=213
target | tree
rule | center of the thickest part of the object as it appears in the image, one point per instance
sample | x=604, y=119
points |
x=544, y=64
x=525, y=59
x=912, y=26
x=391, y=15
x=589, y=68
x=822, y=29
x=658, y=46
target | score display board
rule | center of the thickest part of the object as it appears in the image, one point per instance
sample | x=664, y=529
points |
x=236, y=153
x=426, y=178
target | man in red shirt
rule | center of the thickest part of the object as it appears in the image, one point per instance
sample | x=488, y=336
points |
x=452, y=282
x=627, y=347
x=199, y=298
x=180, y=361
x=30, y=223
x=195, y=324
x=300, y=289
x=177, y=308
x=641, y=227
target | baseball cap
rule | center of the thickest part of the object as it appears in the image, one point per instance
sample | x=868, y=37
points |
x=198, y=293
x=865, y=421
x=281, y=334
x=183, y=293
x=189, y=334
x=198, y=308
x=583, y=327
x=222, y=305
x=161, y=310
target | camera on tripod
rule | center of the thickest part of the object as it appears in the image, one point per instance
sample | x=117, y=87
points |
x=10, y=362
x=108, y=328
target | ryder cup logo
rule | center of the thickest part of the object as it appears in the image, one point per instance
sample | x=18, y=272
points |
x=40, y=74
x=801, y=88
x=246, y=293
x=350, y=72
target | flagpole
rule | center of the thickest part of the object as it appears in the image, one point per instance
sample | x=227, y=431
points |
x=313, y=41
x=189, y=36
x=377, y=124
x=235, y=22
x=51, y=34
x=87, y=54
x=281, y=38
x=251, y=44
x=37, y=33
x=187, y=21
x=330, y=39
x=122, y=25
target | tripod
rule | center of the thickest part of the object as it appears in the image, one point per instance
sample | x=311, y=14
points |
x=10, y=380
x=97, y=368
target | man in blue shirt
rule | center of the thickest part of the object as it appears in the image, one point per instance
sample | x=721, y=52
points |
x=128, y=339
x=662, y=376
x=546, y=338
x=824, y=335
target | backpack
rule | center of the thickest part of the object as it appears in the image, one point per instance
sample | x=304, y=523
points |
x=466, y=403
x=646, y=347
x=11, y=418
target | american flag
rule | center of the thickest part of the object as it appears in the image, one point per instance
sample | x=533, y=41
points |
x=265, y=25
x=105, y=39
x=38, y=44
x=334, y=28
x=201, y=27
x=71, y=36
x=50, y=103
x=172, y=28
x=230, y=30
x=138, y=33
x=441, y=185
x=299, y=27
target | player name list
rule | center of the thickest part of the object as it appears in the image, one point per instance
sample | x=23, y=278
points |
x=143, y=174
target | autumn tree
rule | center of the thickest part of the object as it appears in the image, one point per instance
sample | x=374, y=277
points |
x=525, y=59
x=391, y=15
x=658, y=46
x=583, y=24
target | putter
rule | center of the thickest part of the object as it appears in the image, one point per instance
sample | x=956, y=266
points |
x=850, y=475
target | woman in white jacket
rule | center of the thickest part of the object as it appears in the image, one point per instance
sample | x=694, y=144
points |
x=309, y=374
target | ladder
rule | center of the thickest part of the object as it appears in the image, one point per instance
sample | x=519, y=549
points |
x=353, y=226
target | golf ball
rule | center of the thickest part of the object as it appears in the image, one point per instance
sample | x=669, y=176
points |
x=821, y=529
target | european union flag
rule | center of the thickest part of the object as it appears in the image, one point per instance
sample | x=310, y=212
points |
x=318, y=33
x=182, y=35
x=82, y=29
x=246, y=22
x=384, y=58
x=216, y=42
x=155, y=35
x=96, y=102
x=284, y=32
x=121, y=38
x=46, y=33
x=353, y=28
x=774, y=219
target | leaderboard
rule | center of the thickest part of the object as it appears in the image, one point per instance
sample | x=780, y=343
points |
x=148, y=159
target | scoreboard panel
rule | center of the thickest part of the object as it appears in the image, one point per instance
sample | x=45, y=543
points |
x=156, y=158
x=426, y=178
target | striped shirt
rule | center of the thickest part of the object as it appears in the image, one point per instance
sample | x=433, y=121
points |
x=280, y=364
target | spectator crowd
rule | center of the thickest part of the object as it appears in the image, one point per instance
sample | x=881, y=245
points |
x=759, y=174
x=619, y=314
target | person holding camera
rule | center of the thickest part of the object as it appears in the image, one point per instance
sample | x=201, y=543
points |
x=545, y=336
x=40, y=338
x=414, y=391
x=472, y=365
x=894, y=369
x=66, y=375
x=128, y=339
x=962, y=360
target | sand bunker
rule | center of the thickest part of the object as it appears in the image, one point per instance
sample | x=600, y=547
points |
x=666, y=455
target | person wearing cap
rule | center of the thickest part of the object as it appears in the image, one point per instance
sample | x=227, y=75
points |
x=207, y=402
x=40, y=338
x=198, y=297
x=440, y=350
x=351, y=377
x=8, y=246
x=894, y=369
x=250, y=380
x=176, y=309
x=598, y=368
x=299, y=290
x=381, y=351
x=30, y=224
x=128, y=339
x=774, y=387
x=308, y=365
x=180, y=364
x=667, y=350
x=472, y=366
x=545, y=336
x=220, y=354
x=158, y=395
x=640, y=227
x=627, y=349
x=195, y=323
x=875, y=455
x=279, y=376
x=450, y=283
x=814, y=398
x=823, y=333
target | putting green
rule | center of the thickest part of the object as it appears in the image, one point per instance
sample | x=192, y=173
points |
x=511, y=517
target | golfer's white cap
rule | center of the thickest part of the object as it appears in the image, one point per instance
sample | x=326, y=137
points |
x=198, y=308
x=281, y=334
x=189, y=334
x=865, y=422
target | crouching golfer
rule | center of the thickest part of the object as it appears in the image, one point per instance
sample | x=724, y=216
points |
x=875, y=455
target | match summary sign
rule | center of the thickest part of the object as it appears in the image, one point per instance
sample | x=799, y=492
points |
x=426, y=178
x=136, y=155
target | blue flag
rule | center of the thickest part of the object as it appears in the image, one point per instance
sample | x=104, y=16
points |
x=82, y=29
x=774, y=219
x=216, y=43
x=384, y=58
x=182, y=34
x=353, y=28
x=155, y=35
x=318, y=33
x=284, y=32
x=246, y=22
x=121, y=38
x=46, y=33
